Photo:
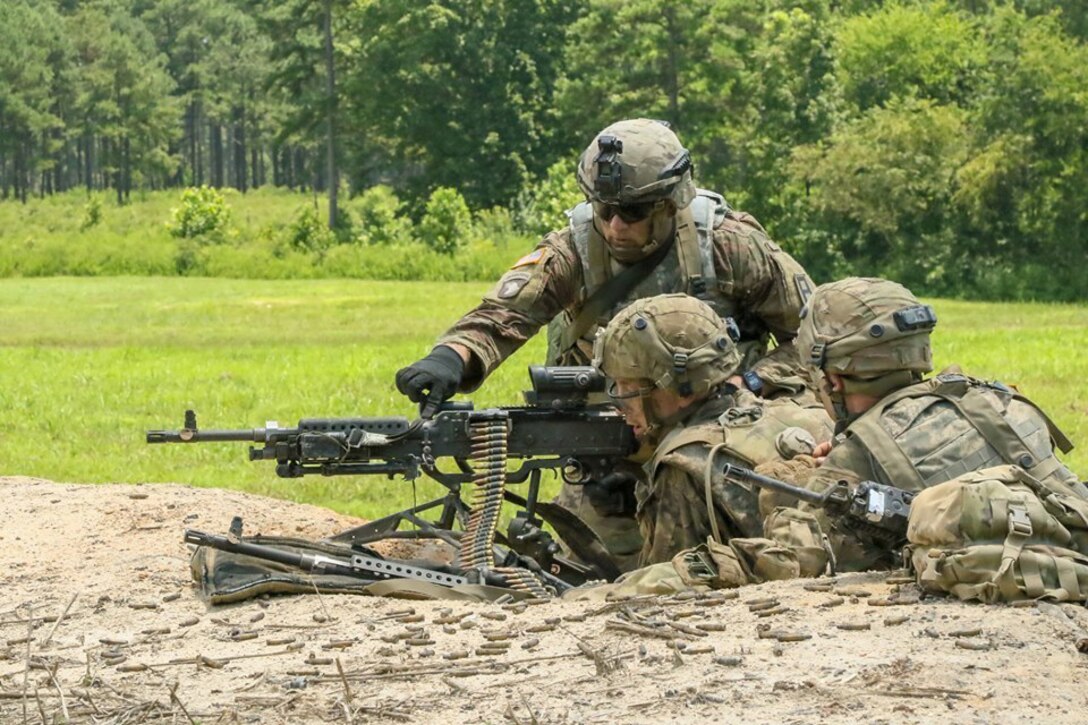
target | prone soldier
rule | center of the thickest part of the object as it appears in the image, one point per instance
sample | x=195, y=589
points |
x=670, y=360
x=867, y=344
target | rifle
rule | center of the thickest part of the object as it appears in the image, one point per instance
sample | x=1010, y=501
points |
x=556, y=430
x=873, y=509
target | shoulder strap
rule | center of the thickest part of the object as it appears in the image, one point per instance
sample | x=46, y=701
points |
x=1001, y=436
x=710, y=435
x=707, y=210
x=962, y=393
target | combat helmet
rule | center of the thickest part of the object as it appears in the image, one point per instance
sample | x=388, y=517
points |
x=873, y=332
x=637, y=161
x=677, y=342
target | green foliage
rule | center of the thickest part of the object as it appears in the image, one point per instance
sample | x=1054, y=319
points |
x=942, y=141
x=92, y=213
x=377, y=214
x=456, y=93
x=31, y=49
x=885, y=177
x=446, y=221
x=540, y=208
x=908, y=49
x=265, y=238
x=308, y=233
x=202, y=213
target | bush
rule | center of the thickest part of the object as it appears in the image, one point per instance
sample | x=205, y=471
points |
x=446, y=221
x=540, y=208
x=308, y=233
x=378, y=217
x=92, y=213
x=203, y=212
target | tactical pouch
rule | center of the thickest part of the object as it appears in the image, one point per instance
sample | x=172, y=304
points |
x=740, y=562
x=987, y=506
x=657, y=579
x=993, y=535
x=800, y=532
x=986, y=573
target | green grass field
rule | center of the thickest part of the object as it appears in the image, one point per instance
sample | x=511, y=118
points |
x=87, y=365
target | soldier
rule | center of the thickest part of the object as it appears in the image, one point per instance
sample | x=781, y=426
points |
x=867, y=344
x=643, y=230
x=670, y=360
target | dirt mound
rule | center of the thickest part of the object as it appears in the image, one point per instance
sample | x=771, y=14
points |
x=99, y=624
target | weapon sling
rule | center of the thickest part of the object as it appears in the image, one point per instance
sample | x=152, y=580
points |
x=608, y=295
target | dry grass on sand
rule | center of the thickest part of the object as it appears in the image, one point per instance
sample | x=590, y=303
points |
x=98, y=623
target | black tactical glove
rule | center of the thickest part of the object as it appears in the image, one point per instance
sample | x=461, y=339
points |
x=613, y=495
x=432, y=380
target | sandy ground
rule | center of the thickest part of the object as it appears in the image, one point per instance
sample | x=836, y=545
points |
x=98, y=623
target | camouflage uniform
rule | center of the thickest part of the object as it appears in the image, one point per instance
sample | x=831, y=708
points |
x=919, y=433
x=673, y=512
x=932, y=432
x=756, y=283
x=697, y=245
x=677, y=343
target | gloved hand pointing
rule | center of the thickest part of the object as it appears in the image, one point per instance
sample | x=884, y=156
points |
x=432, y=380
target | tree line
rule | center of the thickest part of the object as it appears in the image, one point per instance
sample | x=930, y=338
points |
x=940, y=142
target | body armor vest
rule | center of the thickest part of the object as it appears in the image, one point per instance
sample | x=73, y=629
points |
x=750, y=430
x=920, y=458
x=688, y=267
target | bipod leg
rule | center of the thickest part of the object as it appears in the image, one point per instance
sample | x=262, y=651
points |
x=530, y=499
x=529, y=538
x=388, y=527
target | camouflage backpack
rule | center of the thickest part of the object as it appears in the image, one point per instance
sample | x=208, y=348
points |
x=1000, y=534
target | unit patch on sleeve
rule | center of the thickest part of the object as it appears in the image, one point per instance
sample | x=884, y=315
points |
x=511, y=285
x=534, y=257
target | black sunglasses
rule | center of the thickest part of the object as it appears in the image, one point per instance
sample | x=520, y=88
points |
x=630, y=213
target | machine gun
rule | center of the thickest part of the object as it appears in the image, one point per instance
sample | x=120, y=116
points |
x=876, y=511
x=556, y=430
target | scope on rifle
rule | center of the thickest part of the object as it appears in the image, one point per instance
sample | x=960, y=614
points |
x=562, y=386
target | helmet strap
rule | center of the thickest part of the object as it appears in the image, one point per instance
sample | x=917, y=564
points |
x=876, y=387
x=839, y=413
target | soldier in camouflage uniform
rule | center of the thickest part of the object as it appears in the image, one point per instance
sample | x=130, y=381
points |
x=669, y=360
x=867, y=343
x=645, y=229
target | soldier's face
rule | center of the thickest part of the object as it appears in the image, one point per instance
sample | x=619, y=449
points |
x=633, y=397
x=624, y=236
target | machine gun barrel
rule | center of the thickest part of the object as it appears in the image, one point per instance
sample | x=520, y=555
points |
x=187, y=435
